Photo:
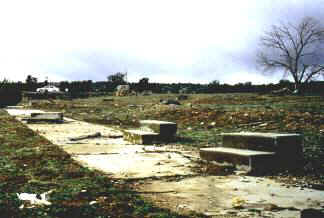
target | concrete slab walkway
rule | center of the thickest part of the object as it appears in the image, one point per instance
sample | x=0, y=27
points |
x=109, y=152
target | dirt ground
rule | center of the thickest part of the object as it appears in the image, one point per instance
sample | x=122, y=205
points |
x=168, y=176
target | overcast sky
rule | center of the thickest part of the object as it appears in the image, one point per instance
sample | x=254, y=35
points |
x=167, y=41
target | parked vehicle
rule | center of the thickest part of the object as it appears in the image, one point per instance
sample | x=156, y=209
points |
x=49, y=88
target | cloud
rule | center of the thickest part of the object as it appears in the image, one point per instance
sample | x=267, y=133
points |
x=167, y=41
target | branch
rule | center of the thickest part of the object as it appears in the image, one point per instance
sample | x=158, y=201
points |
x=303, y=72
x=313, y=73
x=287, y=31
x=271, y=63
x=310, y=31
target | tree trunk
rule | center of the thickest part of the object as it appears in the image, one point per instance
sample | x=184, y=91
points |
x=299, y=89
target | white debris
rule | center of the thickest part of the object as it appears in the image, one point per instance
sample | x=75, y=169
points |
x=34, y=199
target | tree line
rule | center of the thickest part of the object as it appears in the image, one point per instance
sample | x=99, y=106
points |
x=105, y=87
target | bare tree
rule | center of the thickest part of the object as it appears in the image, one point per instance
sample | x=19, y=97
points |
x=294, y=48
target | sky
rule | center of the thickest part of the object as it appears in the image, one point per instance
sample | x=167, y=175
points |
x=168, y=41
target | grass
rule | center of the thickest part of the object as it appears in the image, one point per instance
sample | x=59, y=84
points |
x=31, y=164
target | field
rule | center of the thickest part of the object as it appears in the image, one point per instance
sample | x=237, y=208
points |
x=30, y=163
x=201, y=118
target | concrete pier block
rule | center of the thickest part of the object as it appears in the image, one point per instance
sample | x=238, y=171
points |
x=242, y=159
x=274, y=142
x=165, y=130
x=140, y=137
x=287, y=147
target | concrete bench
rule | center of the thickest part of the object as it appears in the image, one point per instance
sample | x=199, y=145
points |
x=140, y=137
x=45, y=117
x=247, y=160
x=166, y=130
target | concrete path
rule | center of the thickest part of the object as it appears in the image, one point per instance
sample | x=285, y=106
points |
x=170, y=174
x=109, y=153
